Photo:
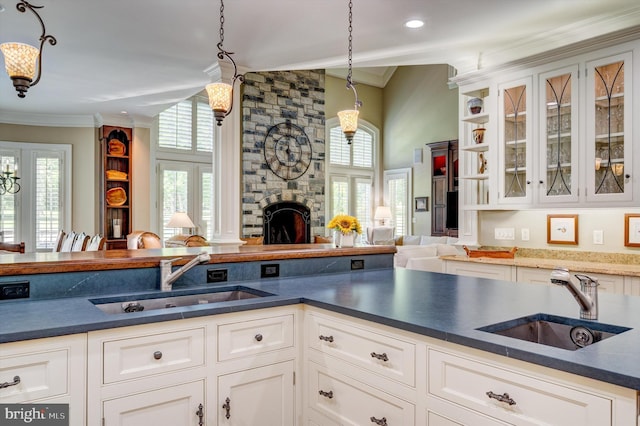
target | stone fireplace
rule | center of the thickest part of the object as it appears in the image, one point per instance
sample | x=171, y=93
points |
x=286, y=223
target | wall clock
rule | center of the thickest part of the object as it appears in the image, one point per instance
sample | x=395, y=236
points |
x=287, y=151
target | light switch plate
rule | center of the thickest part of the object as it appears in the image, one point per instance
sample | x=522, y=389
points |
x=598, y=236
x=524, y=234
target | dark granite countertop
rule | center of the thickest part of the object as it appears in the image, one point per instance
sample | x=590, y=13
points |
x=445, y=307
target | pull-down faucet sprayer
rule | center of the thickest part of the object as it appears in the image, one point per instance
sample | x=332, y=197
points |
x=586, y=296
x=167, y=278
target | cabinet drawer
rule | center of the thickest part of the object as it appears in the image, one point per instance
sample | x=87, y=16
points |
x=42, y=375
x=383, y=354
x=248, y=338
x=152, y=354
x=350, y=402
x=467, y=382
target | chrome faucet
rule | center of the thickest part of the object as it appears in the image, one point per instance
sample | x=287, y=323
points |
x=167, y=278
x=586, y=296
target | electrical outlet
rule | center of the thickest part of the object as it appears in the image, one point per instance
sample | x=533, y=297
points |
x=14, y=290
x=524, y=234
x=598, y=236
x=504, y=233
x=270, y=270
x=357, y=264
x=217, y=275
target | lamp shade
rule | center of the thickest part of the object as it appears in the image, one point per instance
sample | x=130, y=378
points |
x=220, y=96
x=20, y=59
x=349, y=120
x=382, y=213
x=180, y=220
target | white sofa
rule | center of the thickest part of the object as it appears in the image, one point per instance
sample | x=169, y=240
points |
x=422, y=252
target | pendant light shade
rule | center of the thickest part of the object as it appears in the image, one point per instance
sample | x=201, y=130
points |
x=23, y=60
x=349, y=122
x=220, y=99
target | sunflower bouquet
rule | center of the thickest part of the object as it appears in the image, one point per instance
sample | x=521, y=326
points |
x=345, y=224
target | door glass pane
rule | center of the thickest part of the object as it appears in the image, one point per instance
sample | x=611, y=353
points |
x=175, y=197
x=339, y=196
x=206, y=229
x=515, y=125
x=8, y=224
x=609, y=128
x=558, y=102
x=48, y=207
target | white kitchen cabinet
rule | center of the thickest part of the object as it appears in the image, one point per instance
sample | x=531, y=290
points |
x=517, y=396
x=180, y=404
x=632, y=286
x=607, y=283
x=51, y=370
x=263, y=395
x=533, y=275
x=515, y=142
x=479, y=270
x=163, y=372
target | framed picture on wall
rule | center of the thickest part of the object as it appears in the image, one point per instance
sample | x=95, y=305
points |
x=632, y=230
x=422, y=204
x=562, y=229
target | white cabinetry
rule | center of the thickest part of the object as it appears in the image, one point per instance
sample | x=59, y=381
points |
x=51, y=370
x=480, y=270
x=190, y=371
x=358, y=374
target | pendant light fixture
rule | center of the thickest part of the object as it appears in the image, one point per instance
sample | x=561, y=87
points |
x=20, y=59
x=349, y=118
x=221, y=94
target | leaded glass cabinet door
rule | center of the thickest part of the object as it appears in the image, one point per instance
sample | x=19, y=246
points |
x=609, y=129
x=558, y=175
x=515, y=142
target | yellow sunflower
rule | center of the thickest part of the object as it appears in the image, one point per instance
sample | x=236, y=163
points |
x=345, y=224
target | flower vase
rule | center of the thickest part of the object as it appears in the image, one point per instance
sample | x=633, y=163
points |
x=345, y=240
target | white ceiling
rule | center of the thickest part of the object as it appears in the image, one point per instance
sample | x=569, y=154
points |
x=140, y=56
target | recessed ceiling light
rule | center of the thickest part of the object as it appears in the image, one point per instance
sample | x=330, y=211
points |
x=1, y=8
x=414, y=23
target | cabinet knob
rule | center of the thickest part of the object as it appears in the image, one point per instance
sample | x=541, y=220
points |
x=528, y=182
x=258, y=337
x=326, y=338
x=382, y=357
x=380, y=422
x=627, y=176
x=157, y=354
x=541, y=182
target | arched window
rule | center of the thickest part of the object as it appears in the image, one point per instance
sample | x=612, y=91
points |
x=351, y=171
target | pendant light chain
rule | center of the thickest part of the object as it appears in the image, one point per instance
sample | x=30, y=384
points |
x=221, y=23
x=349, y=82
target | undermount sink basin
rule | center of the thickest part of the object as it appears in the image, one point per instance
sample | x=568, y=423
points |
x=155, y=301
x=559, y=332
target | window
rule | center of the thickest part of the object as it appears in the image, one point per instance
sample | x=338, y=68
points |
x=42, y=208
x=398, y=197
x=351, y=171
x=184, y=157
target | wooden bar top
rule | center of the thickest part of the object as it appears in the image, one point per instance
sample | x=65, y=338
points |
x=47, y=263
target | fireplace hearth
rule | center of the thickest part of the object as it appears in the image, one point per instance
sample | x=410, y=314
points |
x=286, y=222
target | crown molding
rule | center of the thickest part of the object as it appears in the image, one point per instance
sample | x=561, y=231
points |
x=375, y=76
x=50, y=120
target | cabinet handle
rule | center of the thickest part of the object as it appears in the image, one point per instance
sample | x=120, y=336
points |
x=259, y=337
x=383, y=356
x=528, y=182
x=200, y=414
x=16, y=380
x=541, y=182
x=627, y=176
x=502, y=398
x=381, y=422
x=157, y=355
x=326, y=338
x=227, y=407
x=326, y=394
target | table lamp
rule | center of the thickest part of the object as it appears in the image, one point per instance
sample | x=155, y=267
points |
x=382, y=214
x=181, y=220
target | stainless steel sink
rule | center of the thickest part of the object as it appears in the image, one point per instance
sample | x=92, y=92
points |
x=559, y=332
x=155, y=301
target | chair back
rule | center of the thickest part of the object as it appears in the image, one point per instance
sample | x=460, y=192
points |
x=381, y=235
x=80, y=242
x=67, y=242
x=16, y=248
x=96, y=243
x=143, y=240
x=57, y=245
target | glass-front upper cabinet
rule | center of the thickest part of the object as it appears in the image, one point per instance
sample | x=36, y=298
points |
x=515, y=142
x=609, y=129
x=558, y=154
